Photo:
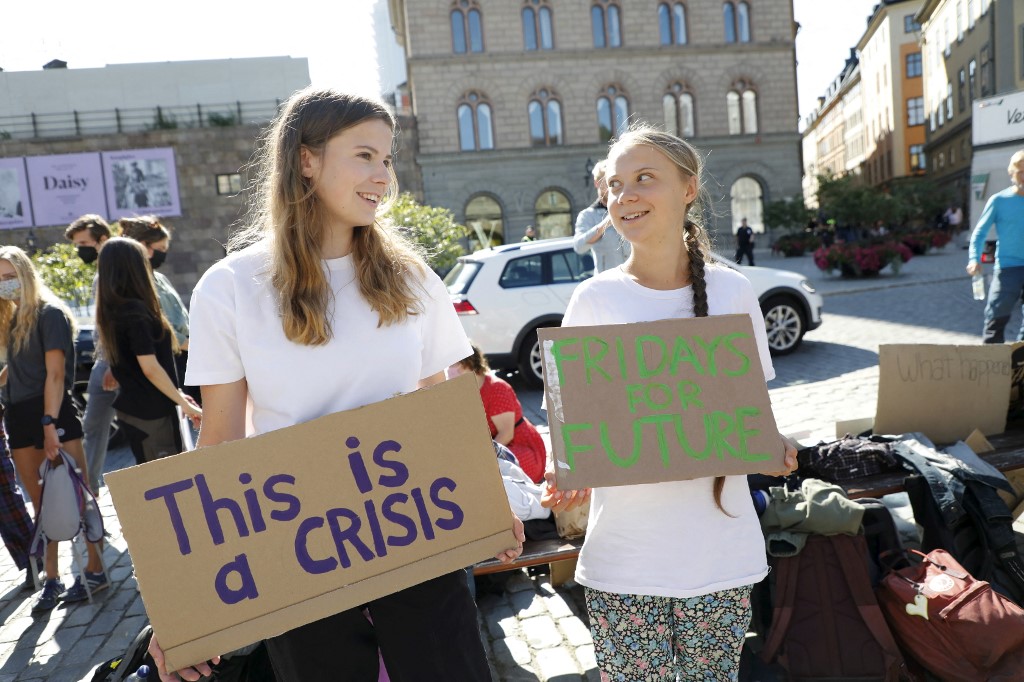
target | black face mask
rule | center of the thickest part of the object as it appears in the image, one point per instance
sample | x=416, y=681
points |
x=88, y=254
x=157, y=259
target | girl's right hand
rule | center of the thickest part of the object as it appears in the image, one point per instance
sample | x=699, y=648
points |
x=190, y=674
x=561, y=500
x=192, y=410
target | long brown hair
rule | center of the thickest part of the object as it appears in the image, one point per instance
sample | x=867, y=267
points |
x=284, y=211
x=123, y=275
x=694, y=235
x=25, y=312
x=146, y=229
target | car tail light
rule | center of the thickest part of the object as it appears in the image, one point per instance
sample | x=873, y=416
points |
x=988, y=257
x=464, y=308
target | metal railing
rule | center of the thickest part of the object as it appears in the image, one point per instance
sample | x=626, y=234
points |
x=83, y=123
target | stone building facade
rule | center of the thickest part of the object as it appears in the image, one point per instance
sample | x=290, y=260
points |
x=515, y=101
x=833, y=136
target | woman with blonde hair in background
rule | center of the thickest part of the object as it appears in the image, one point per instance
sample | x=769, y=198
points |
x=37, y=333
x=323, y=306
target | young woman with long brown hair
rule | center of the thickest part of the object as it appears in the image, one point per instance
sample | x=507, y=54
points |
x=667, y=567
x=323, y=306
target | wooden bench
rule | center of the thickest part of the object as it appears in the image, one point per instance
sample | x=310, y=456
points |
x=559, y=554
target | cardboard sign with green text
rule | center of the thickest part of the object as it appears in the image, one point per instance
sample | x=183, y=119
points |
x=246, y=540
x=657, y=401
x=943, y=391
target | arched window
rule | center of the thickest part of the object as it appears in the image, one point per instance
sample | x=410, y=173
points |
x=476, y=125
x=467, y=28
x=678, y=106
x=545, y=113
x=537, y=26
x=612, y=113
x=672, y=23
x=553, y=215
x=736, y=17
x=606, y=23
x=747, y=202
x=741, y=109
x=485, y=221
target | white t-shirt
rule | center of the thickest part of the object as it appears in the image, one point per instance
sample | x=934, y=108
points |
x=670, y=539
x=236, y=333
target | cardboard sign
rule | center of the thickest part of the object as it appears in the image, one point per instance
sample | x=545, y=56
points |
x=657, y=401
x=249, y=539
x=943, y=391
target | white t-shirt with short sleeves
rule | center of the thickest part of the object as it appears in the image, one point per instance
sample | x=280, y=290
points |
x=670, y=539
x=236, y=332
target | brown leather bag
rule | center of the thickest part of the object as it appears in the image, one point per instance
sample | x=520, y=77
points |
x=956, y=627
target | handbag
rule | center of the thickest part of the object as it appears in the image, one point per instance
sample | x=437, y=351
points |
x=953, y=625
x=66, y=505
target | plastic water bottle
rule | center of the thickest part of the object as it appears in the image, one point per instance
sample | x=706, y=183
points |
x=139, y=675
x=760, y=498
x=978, y=287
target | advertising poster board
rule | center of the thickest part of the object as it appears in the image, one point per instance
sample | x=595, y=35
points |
x=15, y=206
x=141, y=182
x=65, y=186
x=249, y=539
x=657, y=401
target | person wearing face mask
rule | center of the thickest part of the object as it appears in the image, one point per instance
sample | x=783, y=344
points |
x=89, y=233
x=37, y=333
x=156, y=239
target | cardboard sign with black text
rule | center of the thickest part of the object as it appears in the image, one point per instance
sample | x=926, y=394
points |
x=943, y=391
x=246, y=540
x=657, y=401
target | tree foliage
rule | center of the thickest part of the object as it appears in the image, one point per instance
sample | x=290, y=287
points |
x=849, y=201
x=789, y=215
x=432, y=227
x=66, y=274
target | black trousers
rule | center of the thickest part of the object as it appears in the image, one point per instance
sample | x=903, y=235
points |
x=745, y=250
x=426, y=633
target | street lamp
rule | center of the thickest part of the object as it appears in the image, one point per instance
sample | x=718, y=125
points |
x=588, y=179
x=30, y=242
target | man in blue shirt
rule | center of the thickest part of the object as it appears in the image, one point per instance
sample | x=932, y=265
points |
x=1005, y=210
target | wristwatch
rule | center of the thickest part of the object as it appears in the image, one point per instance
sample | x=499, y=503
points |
x=47, y=420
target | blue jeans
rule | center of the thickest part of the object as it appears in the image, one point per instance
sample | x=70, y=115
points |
x=99, y=412
x=1006, y=292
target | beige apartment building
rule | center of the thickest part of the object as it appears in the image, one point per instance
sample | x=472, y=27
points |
x=515, y=101
x=972, y=49
x=833, y=137
x=891, y=83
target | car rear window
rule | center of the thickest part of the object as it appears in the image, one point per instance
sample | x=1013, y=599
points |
x=461, y=276
x=569, y=266
x=523, y=272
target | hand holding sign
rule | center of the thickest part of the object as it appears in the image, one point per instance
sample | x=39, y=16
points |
x=561, y=500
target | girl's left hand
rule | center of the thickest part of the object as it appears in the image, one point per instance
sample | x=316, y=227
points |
x=51, y=442
x=790, y=460
x=509, y=555
x=192, y=410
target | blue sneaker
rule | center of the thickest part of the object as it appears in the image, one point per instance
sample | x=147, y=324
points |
x=97, y=583
x=49, y=596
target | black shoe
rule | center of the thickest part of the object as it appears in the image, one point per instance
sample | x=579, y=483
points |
x=49, y=597
x=30, y=581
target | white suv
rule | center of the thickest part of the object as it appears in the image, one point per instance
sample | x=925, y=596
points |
x=504, y=294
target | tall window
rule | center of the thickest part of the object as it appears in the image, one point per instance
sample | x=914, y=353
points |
x=949, y=101
x=972, y=79
x=612, y=113
x=736, y=16
x=679, y=112
x=484, y=219
x=909, y=25
x=961, y=84
x=467, y=29
x=959, y=20
x=917, y=160
x=606, y=23
x=747, y=202
x=476, y=124
x=914, y=65
x=987, y=81
x=553, y=215
x=537, y=26
x=741, y=108
x=915, y=111
x=672, y=23
x=545, y=113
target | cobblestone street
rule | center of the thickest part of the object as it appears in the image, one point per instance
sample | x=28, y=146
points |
x=534, y=631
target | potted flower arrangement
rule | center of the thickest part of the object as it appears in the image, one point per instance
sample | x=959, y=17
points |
x=793, y=244
x=859, y=259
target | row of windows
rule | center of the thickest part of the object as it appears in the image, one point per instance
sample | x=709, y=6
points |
x=605, y=24
x=475, y=116
x=553, y=213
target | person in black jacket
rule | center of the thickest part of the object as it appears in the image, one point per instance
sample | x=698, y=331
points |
x=140, y=346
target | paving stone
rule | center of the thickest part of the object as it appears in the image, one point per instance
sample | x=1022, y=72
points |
x=557, y=663
x=15, y=628
x=502, y=622
x=104, y=623
x=85, y=649
x=558, y=607
x=512, y=651
x=576, y=633
x=585, y=655
x=518, y=581
x=527, y=604
x=540, y=632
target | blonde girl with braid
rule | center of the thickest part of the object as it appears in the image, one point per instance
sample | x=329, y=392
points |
x=667, y=568
x=322, y=306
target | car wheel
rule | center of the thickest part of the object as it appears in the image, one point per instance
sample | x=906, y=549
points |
x=784, y=321
x=530, y=361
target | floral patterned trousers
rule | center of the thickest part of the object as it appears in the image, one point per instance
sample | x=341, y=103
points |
x=659, y=639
